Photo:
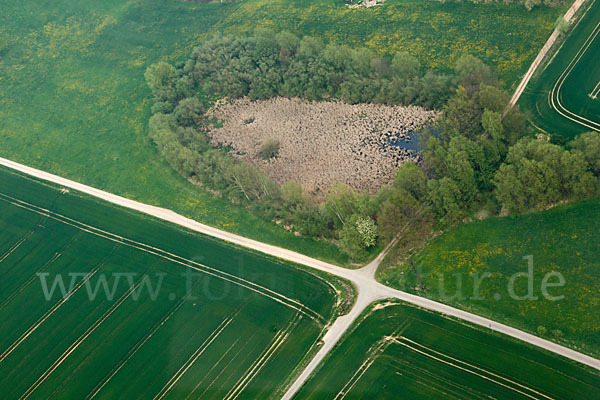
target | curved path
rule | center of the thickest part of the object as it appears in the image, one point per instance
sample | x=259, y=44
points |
x=555, y=92
x=554, y=96
x=368, y=289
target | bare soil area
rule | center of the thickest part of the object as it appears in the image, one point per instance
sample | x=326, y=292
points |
x=365, y=3
x=320, y=143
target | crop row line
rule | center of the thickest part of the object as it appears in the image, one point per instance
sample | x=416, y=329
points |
x=278, y=297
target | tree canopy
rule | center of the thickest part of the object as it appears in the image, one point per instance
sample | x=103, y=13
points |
x=474, y=155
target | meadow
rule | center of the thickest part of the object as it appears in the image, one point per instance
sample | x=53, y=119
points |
x=158, y=332
x=561, y=240
x=74, y=101
x=579, y=92
x=400, y=350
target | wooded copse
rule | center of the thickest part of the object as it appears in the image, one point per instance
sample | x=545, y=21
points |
x=473, y=158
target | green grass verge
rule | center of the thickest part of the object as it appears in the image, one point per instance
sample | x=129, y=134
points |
x=404, y=350
x=564, y=240
x=139, y=345
x=574, y=94
x=74, y=100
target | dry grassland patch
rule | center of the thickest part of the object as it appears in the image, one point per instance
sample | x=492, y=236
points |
x=320, y=143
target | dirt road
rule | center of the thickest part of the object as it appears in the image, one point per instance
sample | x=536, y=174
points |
x=368, y=289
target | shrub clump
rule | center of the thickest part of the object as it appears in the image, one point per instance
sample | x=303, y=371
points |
x=269, y=149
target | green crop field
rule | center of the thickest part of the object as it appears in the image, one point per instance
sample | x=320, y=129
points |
x=562, y=240
x=403, y=352
x=74, y=101
x=565, y=98
x=238, y=328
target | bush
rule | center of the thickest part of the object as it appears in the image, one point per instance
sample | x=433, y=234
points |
x=557, y=333
x=367, y=230
x=269, y=149
x=542, y=331
x=562, y=25
x=352, y=243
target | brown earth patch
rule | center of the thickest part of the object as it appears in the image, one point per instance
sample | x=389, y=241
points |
x=320, y=143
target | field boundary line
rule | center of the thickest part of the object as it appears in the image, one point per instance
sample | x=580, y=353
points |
x=446, y=386
x=554, y=95
x=49, y=313
x=220, y=373
x=79, y=340
x=379, y=348
x=467, y=370
x=215, y=365
x=194, y=357
x=17, y=245
x=266, y=355
x=595, y=92
x=368, y=289
x=34, y=277
x=278, y=297
x=135, y=349
x=475, y=367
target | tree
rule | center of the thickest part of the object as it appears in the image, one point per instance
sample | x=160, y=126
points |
x=162, y=78
x=432, y=90
x=405, y=66
x=492, y=98
x=380, y=67
x=189, y=112
x=526, y=185
x=538, y=174
x=542, y=331
x=397, y=209
x=310, y=47
x=361, y=60
x=444, y=198
x=462, y=155
x=473, y=72
x=557, y=333
x=410, y=177
x=338, y=56
x=356, y=235
x=288, y=41
x=530, y=4
x=491, y=122
x=462, y=115
x=357, y=90
x=340, y=203
x=434, y=156
x=577, y=182
x=589, y=144
x=351, y=242
x=514, y=123
x=494, y=144
x=561, y=25
x=251, y=183
x=367, y=229
x=292, y=192
x=266, y=49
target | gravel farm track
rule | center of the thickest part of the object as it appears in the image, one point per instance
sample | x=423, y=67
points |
x=564, y=98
